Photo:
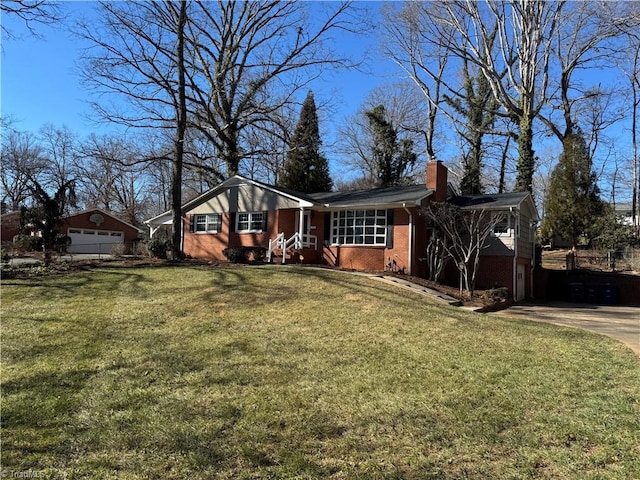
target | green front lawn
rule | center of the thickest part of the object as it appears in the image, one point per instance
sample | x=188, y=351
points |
x=284, y=372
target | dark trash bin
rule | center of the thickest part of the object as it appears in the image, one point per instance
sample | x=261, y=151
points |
x=608, y=294
x=592, y=294
x=576, y=292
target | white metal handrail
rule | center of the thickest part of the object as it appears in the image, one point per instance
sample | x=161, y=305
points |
x=274, y=244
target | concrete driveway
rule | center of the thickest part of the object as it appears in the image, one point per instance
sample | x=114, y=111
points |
x=76, y=257
x=621, y=323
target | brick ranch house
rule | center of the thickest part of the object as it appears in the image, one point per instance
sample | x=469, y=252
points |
x=369, y=230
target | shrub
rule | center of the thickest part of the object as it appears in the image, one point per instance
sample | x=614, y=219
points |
x=158, y=247
x=61, y=242
x=139, y=249
x=245, y=254
x=497, y=294
x=27, y=243
x=118, y=250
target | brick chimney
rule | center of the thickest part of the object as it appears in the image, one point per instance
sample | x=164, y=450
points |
x=437, y=180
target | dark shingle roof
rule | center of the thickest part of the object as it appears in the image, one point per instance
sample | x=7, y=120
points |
x=410, y=194
x=492, y=201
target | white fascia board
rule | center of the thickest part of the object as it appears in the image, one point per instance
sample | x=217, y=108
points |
x=163, y=219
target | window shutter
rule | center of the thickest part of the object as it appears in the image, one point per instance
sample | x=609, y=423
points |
x=389, y=229
x=327, y=227
x=232, y=222
x=192, y=223
x=265, y=214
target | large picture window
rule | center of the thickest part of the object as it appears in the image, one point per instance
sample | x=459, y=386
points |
x=359, y=227
x=250, y=221
x=209, y=223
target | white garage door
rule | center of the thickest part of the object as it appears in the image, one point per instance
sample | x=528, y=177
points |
x=93, y=241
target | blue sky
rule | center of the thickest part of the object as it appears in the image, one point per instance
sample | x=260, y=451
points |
x=40, y=83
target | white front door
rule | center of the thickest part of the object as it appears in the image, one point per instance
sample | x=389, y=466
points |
x=520, y=283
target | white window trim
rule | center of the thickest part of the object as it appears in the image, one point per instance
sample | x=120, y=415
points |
x=207, y=223
x=509, y=232
x=336, y=238
x=250, y=221
x=87, y=231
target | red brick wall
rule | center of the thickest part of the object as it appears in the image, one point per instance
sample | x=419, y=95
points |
x=370, y=259
x=400, y=251
x=495, y=271
x=211, y=245
x=206, y=245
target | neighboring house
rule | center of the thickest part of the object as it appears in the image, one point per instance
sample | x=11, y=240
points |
x=624, y=211
x=91, y=231
x=96, y=231
x=9, y=226
x=367, y=230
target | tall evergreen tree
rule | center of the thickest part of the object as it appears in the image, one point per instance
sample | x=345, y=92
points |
x=573, y=201
x=391, y=156
x=306, y=169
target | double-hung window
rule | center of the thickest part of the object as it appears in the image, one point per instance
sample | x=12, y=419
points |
x=250, y=221
x=359, y=227
x=209, y=223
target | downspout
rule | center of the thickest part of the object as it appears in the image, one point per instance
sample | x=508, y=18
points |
x=532, y=232
x=410, y=259
x=515, y=257
x=182, y=233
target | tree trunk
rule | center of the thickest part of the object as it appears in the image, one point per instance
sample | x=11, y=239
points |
x=181, y=128
x=526, y=161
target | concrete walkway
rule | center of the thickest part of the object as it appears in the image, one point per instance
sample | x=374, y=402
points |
x=619, y=322
x=414, y=287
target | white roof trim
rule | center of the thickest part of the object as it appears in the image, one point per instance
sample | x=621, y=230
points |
x=235, y=180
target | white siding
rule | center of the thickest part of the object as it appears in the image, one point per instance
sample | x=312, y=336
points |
x=244, y=198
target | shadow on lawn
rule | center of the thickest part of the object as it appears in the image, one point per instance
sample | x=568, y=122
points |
x=370, y=287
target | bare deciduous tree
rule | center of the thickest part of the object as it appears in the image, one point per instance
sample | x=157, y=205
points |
x=422, y=49
x=21, y=157
x=31, y=12
x=464, y=232
x=111, y=178
x=138, y=52
x=250, y=59
x=404, y=109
